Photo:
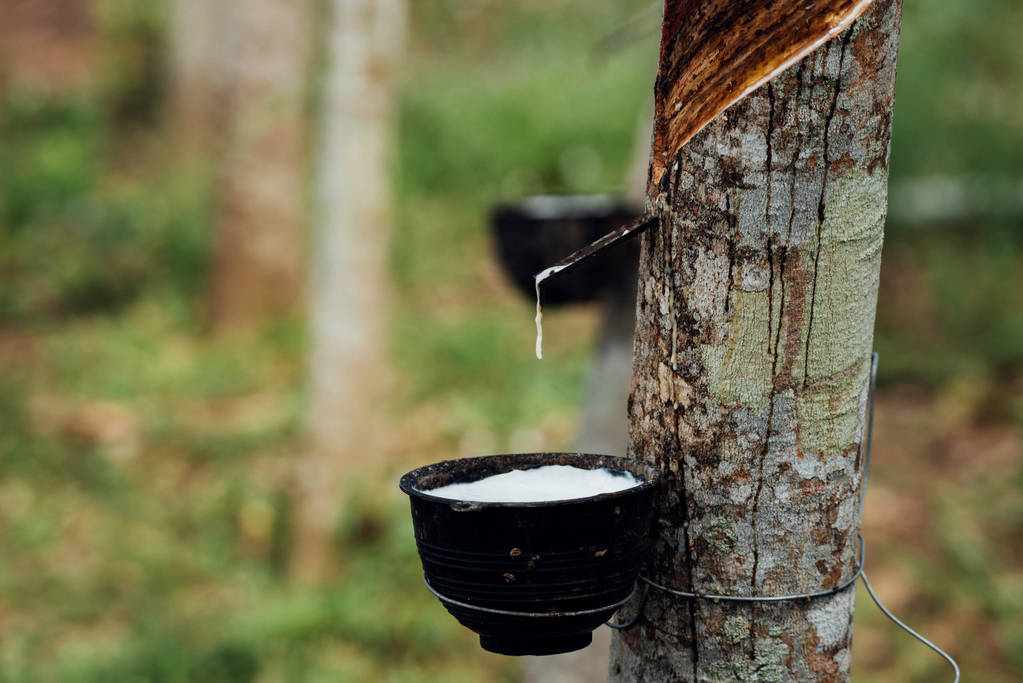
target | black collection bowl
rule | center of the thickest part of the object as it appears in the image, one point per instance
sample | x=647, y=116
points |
x=531, y=578
x=537, y=232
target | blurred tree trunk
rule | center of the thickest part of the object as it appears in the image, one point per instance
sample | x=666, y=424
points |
x=48, y=46
x=259, y=241
x=201, y=35
x=348, y=293
x=755, y=325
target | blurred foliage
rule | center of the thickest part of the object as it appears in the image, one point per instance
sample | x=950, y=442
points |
x=952, y=304
x=133, y=64
x=77, y=235
x=145, y=500
x=952, y=287
x=959, y=105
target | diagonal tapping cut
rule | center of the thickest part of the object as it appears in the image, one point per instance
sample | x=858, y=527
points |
x=716, y=52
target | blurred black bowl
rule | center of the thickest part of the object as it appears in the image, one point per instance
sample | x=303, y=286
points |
x=537, y=232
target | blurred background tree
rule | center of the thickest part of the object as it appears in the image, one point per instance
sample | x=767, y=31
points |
x=199, y=37
x=255, y=69
x=349, y=289
x=147, y=497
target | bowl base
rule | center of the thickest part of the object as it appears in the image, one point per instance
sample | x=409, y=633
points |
x=535, y=646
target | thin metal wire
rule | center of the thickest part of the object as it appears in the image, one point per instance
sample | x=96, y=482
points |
x=645, y=22
x=511, y=613
x=859, y=574
x=766, y=598
x=907, y=629
x=635, y=619
x=863, y=499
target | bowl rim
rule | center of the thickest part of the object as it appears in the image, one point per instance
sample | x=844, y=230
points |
x=555, y=207
x=651, y=476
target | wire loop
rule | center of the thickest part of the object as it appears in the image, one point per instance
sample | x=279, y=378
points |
x=765, y=598
x=636, y=617
x=512, y=613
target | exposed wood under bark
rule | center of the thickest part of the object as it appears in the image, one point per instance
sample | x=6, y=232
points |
x=715, y=52
x=757, y=296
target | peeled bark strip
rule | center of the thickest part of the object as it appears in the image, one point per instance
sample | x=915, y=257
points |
x=756, y=307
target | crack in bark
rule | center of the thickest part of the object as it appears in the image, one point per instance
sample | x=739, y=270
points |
x=783, y=258
x=837, y=377
x=685, y=539
x=767, y=218
x=770, y=310
x=731, y=257
x=679, y=453
x=770, y=410
x=821, y=202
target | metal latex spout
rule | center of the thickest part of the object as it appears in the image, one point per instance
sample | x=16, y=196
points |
x=616, y=236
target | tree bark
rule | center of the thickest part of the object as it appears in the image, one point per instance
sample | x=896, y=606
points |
x=757, y=296
x=348, y=292
x=259, y=240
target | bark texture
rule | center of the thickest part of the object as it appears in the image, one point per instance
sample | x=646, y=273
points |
x=348, y=292
x=756, y=305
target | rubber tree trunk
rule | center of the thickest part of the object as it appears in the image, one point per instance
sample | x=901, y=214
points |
x=259, y=232
x=756, y=305
x=349, y=289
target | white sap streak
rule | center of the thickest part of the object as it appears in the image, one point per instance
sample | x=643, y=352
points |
x=540, y=277
x=547, y=483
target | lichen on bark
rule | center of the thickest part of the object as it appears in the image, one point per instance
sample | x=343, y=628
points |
x=756, y=305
